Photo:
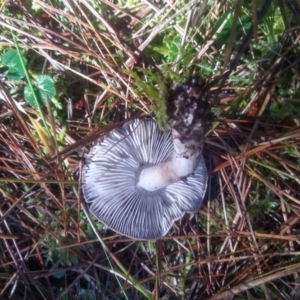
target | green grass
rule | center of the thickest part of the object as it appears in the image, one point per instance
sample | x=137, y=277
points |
x=90, y=65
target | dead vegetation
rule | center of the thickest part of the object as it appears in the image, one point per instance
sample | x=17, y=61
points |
x=244, y=241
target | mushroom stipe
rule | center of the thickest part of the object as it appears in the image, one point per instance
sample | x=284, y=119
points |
x=139, y=180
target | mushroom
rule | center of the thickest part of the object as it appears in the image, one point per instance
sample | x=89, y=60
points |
x=139, y=179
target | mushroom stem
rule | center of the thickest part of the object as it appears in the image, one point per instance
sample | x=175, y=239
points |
x=184, y=162
x=190, y=113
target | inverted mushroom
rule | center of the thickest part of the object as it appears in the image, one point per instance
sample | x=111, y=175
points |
x=139, y=180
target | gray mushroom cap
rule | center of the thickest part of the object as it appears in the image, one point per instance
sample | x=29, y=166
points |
x=110, y=182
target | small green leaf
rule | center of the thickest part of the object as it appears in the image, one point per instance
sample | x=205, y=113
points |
x=45, y=87
x=13, y=74
x=59, y=275
x=29, y=96
x=12, y=60
x=223, y=36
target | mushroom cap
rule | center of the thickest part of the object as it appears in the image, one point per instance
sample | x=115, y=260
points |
x=110, y=182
